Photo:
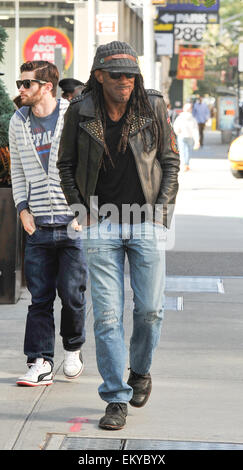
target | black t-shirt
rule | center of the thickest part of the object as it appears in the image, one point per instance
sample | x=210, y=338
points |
x=118, y=181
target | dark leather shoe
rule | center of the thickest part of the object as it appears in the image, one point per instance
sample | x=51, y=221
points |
x=142, y=386
x=115, y=416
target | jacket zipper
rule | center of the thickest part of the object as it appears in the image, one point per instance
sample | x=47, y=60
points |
x=47, y=177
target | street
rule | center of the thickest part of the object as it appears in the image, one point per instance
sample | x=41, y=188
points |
x=197, y=397
x=209, y=215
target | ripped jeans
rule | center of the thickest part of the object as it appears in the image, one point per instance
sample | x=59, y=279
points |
x=106, y=261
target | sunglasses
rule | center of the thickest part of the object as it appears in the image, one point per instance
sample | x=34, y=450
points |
x=27, y=83
x=118, y=75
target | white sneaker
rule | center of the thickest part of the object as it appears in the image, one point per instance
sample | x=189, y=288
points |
x=39, y=373
x=73, y=364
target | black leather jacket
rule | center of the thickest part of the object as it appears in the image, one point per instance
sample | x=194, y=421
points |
x=81, y=149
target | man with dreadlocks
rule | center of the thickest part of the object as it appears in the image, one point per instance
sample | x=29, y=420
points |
x=118, y=146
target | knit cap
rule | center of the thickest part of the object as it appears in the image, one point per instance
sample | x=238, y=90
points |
x=116, y=56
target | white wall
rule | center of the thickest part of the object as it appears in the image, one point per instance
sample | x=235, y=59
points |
x=129, y=29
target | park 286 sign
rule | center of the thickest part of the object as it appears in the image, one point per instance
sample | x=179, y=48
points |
x=187, y=26
x=189, y=32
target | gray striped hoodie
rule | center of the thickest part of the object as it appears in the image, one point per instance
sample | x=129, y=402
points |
x=32, y=187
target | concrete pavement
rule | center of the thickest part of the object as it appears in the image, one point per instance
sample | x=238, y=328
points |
x=197, y=371
x=209, y=215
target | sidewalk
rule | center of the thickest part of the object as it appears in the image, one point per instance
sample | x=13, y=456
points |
x=197, y=383
x=209, y=215
x=196, y=401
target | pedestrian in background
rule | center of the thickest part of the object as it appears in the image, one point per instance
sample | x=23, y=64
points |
x=201, y=113
x=70, y=88
x=186, y=129
x=118, y=144
x=171, y=113
x=17, y=102
x=52, y=260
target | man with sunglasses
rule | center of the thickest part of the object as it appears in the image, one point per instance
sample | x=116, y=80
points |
x=118, y=150
x=52, y=260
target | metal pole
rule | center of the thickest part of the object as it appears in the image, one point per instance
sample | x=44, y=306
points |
x=16, y=39
x=148, y=44
x=91, y=31
x=75, y=42
x=238, y=95
x=59, y=62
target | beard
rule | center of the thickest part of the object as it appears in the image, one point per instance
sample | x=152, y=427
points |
x=31, y=100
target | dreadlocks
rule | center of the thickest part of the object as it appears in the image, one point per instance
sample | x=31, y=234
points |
x=138, y=105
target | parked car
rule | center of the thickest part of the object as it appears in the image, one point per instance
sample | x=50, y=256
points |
x=235, y=156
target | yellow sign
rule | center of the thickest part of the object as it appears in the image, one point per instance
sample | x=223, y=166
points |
x=160, y=27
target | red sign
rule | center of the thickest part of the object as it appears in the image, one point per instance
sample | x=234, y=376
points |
x=106, y=24
x=190, y=63
x=40, y=45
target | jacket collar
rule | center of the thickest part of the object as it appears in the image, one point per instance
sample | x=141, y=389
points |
x=94, y=126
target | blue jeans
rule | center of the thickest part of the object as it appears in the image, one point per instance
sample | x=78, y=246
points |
x=54, y=262
x=185, y=145
x=105, y=257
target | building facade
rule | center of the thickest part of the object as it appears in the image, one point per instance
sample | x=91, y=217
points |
x=65, y=32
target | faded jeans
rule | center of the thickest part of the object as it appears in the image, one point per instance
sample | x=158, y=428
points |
x=185, y=145
x=106, y=257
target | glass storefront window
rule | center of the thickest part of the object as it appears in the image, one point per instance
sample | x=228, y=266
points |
x=33, y=16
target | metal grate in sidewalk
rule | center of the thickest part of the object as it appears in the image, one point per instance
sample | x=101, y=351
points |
x=65, y=442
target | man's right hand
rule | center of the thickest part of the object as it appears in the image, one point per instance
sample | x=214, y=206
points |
x=28, y=222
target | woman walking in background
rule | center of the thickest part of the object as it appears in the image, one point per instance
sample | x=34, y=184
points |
x=186, y=129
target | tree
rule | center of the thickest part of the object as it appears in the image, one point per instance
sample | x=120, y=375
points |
x=221, y=48
x=6, y=112
x=207, y=3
